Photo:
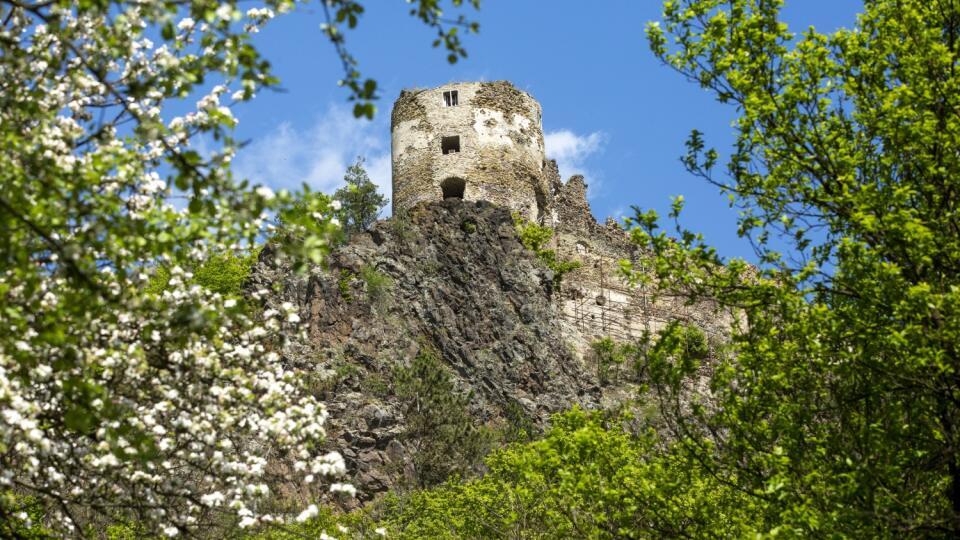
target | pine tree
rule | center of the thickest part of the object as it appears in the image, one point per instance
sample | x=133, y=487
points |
x=360, y=202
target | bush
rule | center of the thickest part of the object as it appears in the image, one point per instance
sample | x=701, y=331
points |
x=609, y=357
x=535, y=238
x=223, y=273
x=226, y=272
x=519, y=426
x=343, y=285
x=587, y=479
x=695, y=342
x=377, y=283
x=441, y=434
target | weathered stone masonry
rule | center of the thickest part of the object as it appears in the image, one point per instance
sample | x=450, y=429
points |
x=474, y=141
x=484, y=141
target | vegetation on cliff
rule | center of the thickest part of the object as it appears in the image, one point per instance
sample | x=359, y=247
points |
x=139, y=397
x=536, y=238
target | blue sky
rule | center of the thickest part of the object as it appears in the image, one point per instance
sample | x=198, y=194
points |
x=611, y=111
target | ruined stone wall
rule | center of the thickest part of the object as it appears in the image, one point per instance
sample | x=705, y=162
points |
x=502, y=160
x=596, y=299
x=501, y=152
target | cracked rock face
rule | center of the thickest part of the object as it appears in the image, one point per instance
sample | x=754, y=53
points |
x=449, y=276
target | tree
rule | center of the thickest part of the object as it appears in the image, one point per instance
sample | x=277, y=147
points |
x=440, y=432
x=119, y=400
x=360, y=203
x=587, y=478
x=837, y=410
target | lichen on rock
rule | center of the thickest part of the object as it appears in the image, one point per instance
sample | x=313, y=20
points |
x=407, y=107
x=502, y=96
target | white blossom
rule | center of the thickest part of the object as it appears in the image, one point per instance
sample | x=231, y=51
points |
x=347, y=489
x=309, y=513
x=225, y=12
x=186, y=24
x=265, y=192
x=173, y=380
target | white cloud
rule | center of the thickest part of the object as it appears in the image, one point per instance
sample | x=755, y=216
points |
x=319, y=154
x=572, y=152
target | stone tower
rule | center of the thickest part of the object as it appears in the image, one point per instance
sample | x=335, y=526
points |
x=472, y=140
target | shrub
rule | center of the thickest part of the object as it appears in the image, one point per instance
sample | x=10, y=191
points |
x=535, y=238
x=343, y=285
x=378, y=284
x=440, y=430
x=609, y=357
x=588, y=478
x=223, y=273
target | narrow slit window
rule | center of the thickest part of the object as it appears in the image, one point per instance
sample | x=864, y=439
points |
x=450, y=145
x=450, y=98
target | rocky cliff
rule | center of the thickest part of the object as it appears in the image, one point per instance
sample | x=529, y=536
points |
x=450, y=277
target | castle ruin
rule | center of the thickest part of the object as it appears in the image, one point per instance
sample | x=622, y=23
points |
x=449, y=278
x=483, y=141
x=473, y=141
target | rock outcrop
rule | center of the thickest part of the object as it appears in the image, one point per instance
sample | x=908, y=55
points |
x=449, y=276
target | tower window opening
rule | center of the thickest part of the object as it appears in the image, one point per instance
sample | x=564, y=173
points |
x=450, y=145
x=453, y=188
x=450, y=98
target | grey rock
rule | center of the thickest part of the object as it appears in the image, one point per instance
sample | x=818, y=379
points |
x=479, y=298
x=395, y=451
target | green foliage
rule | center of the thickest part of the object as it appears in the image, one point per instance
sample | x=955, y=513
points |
x=307, y=227
x=377, y=284
x=837, y=411
x=520, y=427
x=340, y=13
x=694, y=343
x=360, y=203
x=223, y=273
x=609, y=357
x=375, y=384
x=13, y=509
x=121, y=531
x=158, y=281
x=401, y=227
x=535, y=238
x=441, y=433
x=587, y=479
x=343, y=284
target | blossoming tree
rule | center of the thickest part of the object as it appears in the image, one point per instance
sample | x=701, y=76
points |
x=119, y=400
